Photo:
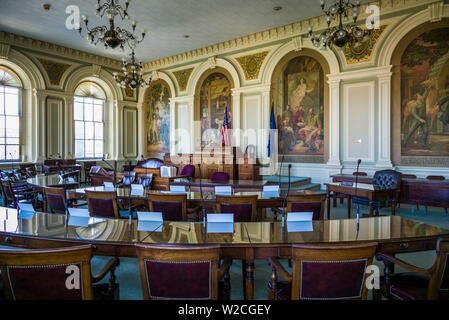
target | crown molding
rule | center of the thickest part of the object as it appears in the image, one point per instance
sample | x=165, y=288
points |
x=289, y=32
x=57, y=50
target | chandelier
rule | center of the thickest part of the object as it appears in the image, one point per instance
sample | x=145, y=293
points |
x=112, y=36
x=132, y=74
x=342, y=34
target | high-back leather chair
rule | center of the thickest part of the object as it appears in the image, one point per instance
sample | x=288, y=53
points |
x=417, y=283
x=181, y=273
x=322, y=272
x=103, y=204
x=188, y=171
x=244, y=208
x=145, y=179
x=314, y=202
x=219, y=176
x=128, y=178
x=172, y=206
x=53, y=274
x=55, y=200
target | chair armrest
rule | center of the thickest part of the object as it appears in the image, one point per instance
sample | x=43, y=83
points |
x=109, y=266
x=279, y=268
x=77, y=205
x=224, y=268
x=388, y=258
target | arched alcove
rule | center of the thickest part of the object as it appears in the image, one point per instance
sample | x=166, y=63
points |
x=420, y=89
x=300, y=94
x=156, y=113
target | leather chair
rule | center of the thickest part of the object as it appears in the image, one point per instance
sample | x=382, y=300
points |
x=103, y=204
x=323, y=273
x=219, y=176
x=15, y=195
x=172, y=206
x=314, y=202
x=383, y=180
x=98, y=175
x=55, y=200
x=87, y=165
x=244, y=208
x=417, y=283
x=44, y=274
x=182, y=273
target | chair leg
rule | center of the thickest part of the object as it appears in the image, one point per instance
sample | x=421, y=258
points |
x=272, y=285
x=334, y=201
x=244, y=278
x=445, y=212
x=425, y=210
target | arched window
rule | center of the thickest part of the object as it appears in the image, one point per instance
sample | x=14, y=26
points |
x=88, y=116
x=10, y=112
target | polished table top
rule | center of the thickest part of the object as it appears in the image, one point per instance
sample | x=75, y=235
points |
x=118, y=231
x=207, y=195
x=51, y=180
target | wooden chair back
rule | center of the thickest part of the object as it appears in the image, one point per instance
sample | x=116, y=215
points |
x=435, y=178
x=408, y=176
x=361, y=174
x=439, y=280
x=178, y=272
x=10, y=196
x=55, y=200
x=103, y=204
x=322, y=272
x=314, y=202
x=172, y=206
x=145, y=179
x=244, y=208
x=49, y=274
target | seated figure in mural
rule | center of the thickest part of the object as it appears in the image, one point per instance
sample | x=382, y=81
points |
x=311, y=132
x=287, y=136
x=415, y=113
x=300, y=92
x=298, y=117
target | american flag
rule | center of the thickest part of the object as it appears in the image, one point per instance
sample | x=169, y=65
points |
x=225, y=131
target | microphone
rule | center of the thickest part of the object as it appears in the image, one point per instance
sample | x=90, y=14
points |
x=110, y=166
x=63, y=176
x=286, y=195
x=129, y=196
x=355, y=193
x=202, y=199
x=12, y=162
x=280, y=170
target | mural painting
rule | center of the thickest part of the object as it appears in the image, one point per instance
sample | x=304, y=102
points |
x=300, y=117
x=425, y=95
x=157, y=118
x=215, y=97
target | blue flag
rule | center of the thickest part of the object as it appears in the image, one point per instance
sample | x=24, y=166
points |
x=272, y=126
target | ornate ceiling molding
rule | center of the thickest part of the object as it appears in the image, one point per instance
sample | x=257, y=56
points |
x=46, y=47
x=96, y=70
x=182, y=77
x=251, y=64
x=4, y=51
x=363, y=52
x=295, y=29
x=54, y=70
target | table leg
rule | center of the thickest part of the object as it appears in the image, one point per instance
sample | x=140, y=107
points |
x=249, y=290
x=371, y=208
x=328, y=206
x=349, y=207
x=393, y=207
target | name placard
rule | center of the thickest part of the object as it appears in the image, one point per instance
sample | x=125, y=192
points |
x=223, y=190
x=26, y=211
x=149, y=221
x=220, y=223
x=177, y=189
x=78, y=217
x=271, y=191
x=137, y=189
x=108, y=186
x=347, y=183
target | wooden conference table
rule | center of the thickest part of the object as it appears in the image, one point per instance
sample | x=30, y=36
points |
x=248, y=241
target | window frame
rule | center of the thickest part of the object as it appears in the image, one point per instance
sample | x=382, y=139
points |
x=19, y=115
x=84, y=121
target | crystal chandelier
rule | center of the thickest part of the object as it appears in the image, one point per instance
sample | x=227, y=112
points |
x=132, y=74
x=112, y=36
x=342, y=34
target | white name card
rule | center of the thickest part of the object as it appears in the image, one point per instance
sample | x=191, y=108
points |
x=271, y=192
x=177, y=189
x=78, y=217
x=220, y=223
x=137, y=189
x=69, y=180
x=108, y=186
x=299, y=226
x=26, y=211
x=149, y=221
x=299, y=216
x=223, y=190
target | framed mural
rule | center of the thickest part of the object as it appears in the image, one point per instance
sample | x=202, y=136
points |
x=157, y=118
x=300, y=112
x=215, y=98
x=425, y=95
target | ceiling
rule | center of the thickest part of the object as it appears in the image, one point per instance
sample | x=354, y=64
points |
x=167, y=21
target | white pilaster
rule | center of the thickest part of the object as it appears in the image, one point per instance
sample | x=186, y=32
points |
x=236, y=121
x=384, y=120
x=334, y=123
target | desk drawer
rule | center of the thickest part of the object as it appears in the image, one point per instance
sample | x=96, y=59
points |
x=407, y=246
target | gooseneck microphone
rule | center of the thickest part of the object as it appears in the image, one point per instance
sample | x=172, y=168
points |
x=286, y=195
x=202, y=198
x=355, y=193
x=280, y=170
x=129, y=196
x=63, y=176
x=113, y=169
x=12, y=162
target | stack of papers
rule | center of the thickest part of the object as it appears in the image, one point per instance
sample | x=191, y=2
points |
x=108, y=186
x=299, y=222
x=220, y=223
x=26, y=211
x=149, y=221
x=78, y=217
